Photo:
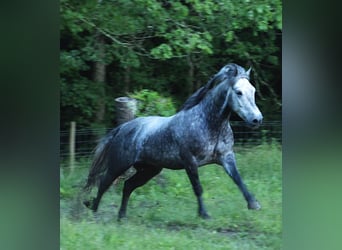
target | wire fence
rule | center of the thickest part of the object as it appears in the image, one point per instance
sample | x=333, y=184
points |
x=86, y=139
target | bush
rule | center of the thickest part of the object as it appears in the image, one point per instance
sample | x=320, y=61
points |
x=152, y=103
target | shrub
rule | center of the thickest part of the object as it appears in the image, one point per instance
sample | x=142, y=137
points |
x=152, y=103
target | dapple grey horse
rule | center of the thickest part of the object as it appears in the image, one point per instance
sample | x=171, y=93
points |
x=197, y=135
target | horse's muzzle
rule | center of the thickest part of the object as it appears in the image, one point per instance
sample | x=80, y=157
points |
x=255, y=122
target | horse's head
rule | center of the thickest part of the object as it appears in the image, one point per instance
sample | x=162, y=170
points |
x=240, y=94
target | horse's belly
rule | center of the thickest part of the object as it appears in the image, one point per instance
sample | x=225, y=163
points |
x=161, y=156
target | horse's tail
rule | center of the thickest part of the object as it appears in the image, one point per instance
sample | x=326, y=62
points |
x=100, y=162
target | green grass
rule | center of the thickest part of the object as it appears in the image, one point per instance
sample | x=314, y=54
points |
x=163, y=213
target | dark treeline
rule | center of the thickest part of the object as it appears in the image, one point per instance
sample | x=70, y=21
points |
x=114, y=48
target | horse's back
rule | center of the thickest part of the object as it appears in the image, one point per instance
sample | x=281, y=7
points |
x=154, y=140
x=132, y=137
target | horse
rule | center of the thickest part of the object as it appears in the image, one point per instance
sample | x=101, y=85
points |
x=197, y=135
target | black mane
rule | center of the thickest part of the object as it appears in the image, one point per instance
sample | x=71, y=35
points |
x=230, y=70
x=196, y=97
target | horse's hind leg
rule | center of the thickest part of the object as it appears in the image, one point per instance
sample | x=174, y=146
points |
x=143, y=175
x=105, y=183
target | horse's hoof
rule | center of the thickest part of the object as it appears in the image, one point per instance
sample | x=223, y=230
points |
x=122, y=219
x=87, y=204
x=90, y=205
x=254, y=205
x=122, y=216
x=205, y=216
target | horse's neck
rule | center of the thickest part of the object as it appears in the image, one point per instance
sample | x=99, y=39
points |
x=208, y=112
x=216, y=105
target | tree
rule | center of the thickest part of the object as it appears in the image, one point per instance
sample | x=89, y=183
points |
x=115, y=47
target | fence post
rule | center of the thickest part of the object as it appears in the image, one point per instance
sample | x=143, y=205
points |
x=72, y=145
x=126, y=109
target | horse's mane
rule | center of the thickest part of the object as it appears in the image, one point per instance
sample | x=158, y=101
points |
x=194, y=99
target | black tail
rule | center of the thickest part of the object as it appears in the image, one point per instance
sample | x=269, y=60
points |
x=100, y=164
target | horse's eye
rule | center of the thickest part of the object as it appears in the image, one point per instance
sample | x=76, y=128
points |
x=239, y=93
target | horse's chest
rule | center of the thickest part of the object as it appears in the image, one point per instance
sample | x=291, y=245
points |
x=206, y=154
x=224, y=144
x=215, y=147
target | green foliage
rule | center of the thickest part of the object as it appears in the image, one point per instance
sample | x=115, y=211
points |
x=168, y=46
x=163, y=51
x=163, y=213
x=151, y=103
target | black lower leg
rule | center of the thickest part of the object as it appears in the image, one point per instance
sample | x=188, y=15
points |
x=239, y=182
x=230, y=167
x=198, y=190
x=105, y=183
x=142, y=176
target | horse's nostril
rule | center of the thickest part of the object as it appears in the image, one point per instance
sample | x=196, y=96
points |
x=255, y=121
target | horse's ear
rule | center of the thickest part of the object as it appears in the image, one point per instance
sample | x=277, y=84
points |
x=231, y=70
x=248, y=72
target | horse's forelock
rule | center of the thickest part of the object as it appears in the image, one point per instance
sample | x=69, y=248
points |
x=235, y=72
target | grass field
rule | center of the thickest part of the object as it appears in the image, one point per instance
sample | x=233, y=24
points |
x=163, y=213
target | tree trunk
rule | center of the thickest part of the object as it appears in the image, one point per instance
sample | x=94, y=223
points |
x=191, y=84
x=100, y=78
x=127, y=79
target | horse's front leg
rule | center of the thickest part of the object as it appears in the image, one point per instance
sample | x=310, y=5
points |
x=229, y=165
